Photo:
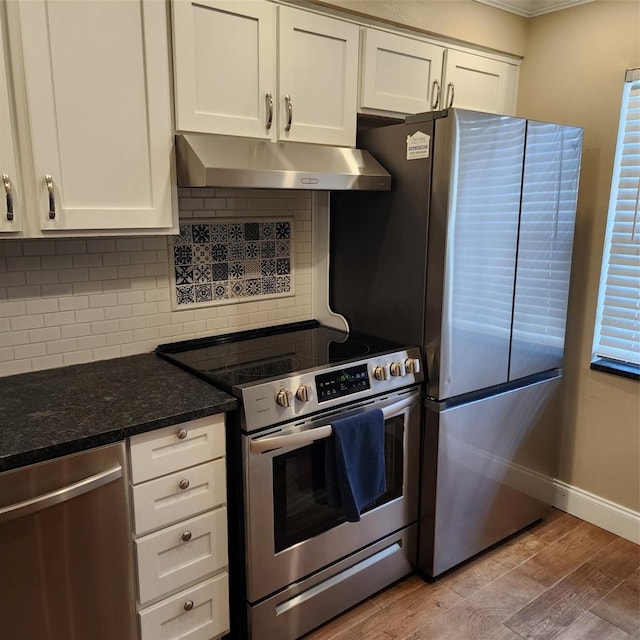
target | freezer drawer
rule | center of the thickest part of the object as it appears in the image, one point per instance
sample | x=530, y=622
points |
x=488, y=468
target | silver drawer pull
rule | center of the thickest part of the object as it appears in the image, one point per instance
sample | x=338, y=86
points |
x=52, y=200
x=186, y=536
x=182, y=434
x=6, y=181
x=184, y=484
x=188, y=605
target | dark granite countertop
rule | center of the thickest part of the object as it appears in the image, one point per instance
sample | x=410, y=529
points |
x=50, y=413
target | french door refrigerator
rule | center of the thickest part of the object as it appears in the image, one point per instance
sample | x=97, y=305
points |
x=468, y=256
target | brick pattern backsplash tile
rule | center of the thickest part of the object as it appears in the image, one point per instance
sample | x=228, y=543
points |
x=67, y=301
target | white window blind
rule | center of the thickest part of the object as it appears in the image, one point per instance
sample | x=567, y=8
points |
x=617, y=335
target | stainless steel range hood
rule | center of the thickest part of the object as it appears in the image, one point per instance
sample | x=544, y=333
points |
x=205, y=160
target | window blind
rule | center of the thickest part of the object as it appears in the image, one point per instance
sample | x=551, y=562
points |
x=618, y=322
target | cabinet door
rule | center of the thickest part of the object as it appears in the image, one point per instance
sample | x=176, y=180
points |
x=399, y=74
x=9, y=196
x=99, y=104
x=474, y=82
x=318, y=64
x=224, y=61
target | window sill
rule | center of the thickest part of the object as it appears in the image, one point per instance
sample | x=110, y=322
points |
x=617, y=368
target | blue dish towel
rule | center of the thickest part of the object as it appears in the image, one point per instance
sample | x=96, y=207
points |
x=354, y=459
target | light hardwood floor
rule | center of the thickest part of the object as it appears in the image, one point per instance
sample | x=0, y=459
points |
x=562, y=578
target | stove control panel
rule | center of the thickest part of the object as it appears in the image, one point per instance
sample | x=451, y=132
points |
x=280, y=400
x=342, y=382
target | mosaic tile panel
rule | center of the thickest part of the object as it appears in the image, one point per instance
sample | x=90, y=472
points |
x=222, y=261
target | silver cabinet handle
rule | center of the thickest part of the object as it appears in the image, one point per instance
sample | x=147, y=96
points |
x=184, y=484
x=318, y=433
x=52, y=200
x=64, y=494
x=188, y=605
x=289, y=103
x=269, y=101
x=450, y=93
x=182, y=434
x=6, y=181
x=435, y=102
x=186, y=536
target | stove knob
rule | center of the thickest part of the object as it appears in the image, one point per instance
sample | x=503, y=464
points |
x=304, y=393
x=412, y=365
x=395, y=368
x=284, y=398
x=380, y=372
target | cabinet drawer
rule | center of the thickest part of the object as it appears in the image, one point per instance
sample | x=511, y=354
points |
x=157, y=453
x=166, y=561
x=199, y=613
x=160, y=502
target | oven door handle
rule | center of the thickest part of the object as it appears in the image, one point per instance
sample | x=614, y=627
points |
x=318, y=433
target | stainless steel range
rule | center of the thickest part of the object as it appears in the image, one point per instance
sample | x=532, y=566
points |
x=302, y=561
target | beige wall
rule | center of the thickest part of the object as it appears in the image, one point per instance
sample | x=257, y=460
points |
x=573, y=73
x=464, y=20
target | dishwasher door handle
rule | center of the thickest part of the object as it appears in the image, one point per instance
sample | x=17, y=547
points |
x=26, y=507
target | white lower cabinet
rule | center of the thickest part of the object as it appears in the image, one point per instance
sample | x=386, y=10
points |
x=193, y=614
x=179, y=495
x=180, y=520
x=178, y=555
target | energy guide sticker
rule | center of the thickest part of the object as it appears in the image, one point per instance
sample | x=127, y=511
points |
x=418, y=145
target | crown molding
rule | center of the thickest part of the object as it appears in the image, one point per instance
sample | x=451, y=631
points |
x=532, y=8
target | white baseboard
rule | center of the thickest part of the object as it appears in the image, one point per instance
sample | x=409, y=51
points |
x=598, y=511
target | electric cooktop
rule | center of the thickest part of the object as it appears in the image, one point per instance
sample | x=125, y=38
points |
x=242, y=358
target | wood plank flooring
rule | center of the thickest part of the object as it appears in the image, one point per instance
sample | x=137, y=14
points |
x=561, y=579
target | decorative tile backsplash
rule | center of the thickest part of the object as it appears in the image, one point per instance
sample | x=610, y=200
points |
x=70, y=300
x=222, y=261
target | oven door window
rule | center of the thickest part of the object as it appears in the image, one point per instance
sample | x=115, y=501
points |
x=301, y=504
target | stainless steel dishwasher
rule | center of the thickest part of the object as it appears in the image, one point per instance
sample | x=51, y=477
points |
x=66, y=562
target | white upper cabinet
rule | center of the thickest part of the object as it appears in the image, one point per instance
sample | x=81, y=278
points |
x=234, y=77
x=224, y=63
x=399, y=74
x=318, y=81
x=475, y=82
x=10, y=203
x=98, y=101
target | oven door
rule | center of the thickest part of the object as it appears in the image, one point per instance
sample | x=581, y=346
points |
x=292, y=530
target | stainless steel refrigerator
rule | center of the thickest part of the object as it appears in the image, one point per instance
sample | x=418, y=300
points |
x=468, y=256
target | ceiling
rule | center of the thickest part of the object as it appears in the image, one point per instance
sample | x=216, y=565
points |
x=531, y=8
